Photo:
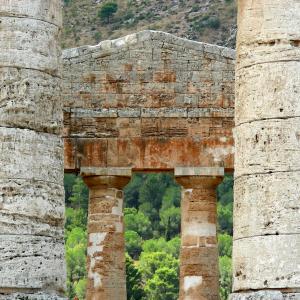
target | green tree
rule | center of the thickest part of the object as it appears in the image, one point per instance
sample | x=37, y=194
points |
x=151, y=262
x=225, y=277
x=161, y=245
x=170, y=219
x=76, y=258
x=225, y=244
x=134, y=283
x=107, y=11
x=80, y=195
x=133, y=243
x=138, y=222
x=164, y=285
x=80, y=288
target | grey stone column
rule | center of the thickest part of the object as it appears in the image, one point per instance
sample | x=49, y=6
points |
x=266, y=251
x=32, y=264
x=106, y=242
x=199, y=268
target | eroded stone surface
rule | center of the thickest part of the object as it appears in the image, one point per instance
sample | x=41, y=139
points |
x=263, y=262
x=265, y=295
x=32, y=262
x=199, y=270
x=26, y=154
x=149, y=100
x=267, y=146
x=30, y=99
x=29, y=43
x=265, y=205
x=48, y=11
x=106, y=244
x=31, y=207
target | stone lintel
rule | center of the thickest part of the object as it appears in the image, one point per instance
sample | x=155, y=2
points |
x=95, y=171
x=199, y=171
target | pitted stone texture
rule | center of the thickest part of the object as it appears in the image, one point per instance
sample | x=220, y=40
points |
x=263, y=262
x=262, y=37
x=199, y=270
x=30, y=296
x=25, y=154
x=28, y=43
x=106, y=244
x=32, y=262
x=48, y=11
x=30, y=99
x=265, y=295
x=263, y=91
x=31, y=207
x=149, y=100
x=263, y=205
x=267, y=146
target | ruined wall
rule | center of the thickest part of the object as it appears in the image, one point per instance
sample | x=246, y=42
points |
x=148, y=101
x=31, y=156
x=266, y=251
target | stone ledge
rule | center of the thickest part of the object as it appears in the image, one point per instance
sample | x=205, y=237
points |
x=199, y=171
x=25, y=296
x=265, y=295
x=93, y=171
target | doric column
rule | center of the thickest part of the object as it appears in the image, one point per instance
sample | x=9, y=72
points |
x=199, y=270
x=32, y=264
x=266, y=250
x=106, y=242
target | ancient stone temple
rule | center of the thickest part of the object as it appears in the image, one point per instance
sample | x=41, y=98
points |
x=32, y=264
x=150, y=102
x=266, y=251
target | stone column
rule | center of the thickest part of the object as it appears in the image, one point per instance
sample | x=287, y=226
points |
x=32, y=264
x=199, y=269
x=266, y=250
x=106, y=242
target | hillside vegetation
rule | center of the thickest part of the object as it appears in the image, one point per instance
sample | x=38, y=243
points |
x=211, y=21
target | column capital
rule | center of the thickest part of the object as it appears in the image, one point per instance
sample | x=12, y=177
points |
x=199, y=177
x=116, y=178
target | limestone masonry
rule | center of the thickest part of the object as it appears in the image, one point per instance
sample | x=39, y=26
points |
x=31, y=157
x=150, y=102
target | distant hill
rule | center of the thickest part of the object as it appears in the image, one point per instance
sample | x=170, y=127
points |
x=211, y=21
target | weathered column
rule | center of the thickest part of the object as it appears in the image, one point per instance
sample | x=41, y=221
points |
x=106, y=242
x=266, y=251
x=199, y=270
x=32, y=262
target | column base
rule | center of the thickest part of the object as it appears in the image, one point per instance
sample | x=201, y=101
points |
x=37, y=296
x=265, y=295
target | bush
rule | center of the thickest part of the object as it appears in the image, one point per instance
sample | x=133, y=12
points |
x=107, y=11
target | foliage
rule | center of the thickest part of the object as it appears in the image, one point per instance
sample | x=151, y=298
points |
x=134, y=283
x=107, y=10
x=163, y=285
x=225, y=244
x=161, y=245
x=137, y=221
x=133, y=243
x=225, y=277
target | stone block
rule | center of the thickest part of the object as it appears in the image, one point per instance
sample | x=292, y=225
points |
x=30, y=99
x=267, y=204
x=46, y=10
x=267, y=146
x=266, y=262
x=24, y=255
x=29, y=207
x=265, y=295
x=264, y=89
x=25, y=154
x=29, y=43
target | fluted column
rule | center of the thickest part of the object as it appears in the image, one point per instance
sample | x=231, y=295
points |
x=266, y=250
x=199, y=270
x=106, y=241
x=32, y=264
